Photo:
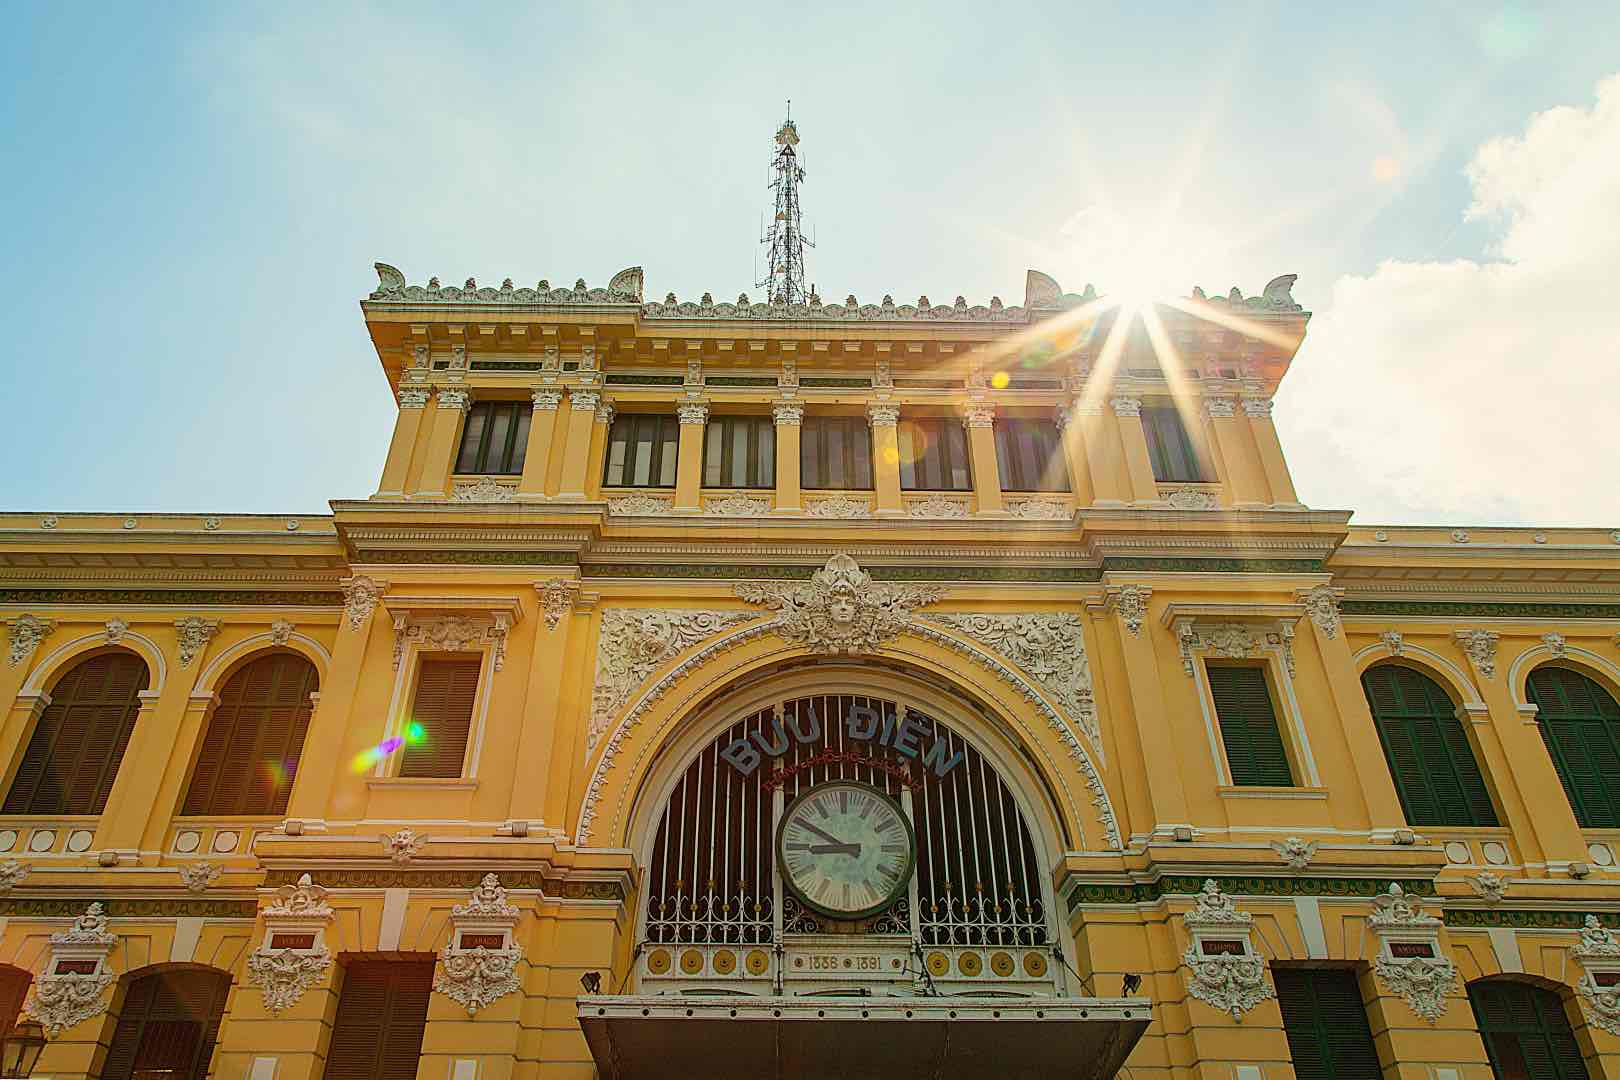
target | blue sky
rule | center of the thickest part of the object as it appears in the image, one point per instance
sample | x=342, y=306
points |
x=195, y=196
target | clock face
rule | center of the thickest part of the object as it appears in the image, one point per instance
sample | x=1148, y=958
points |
x=846, y=849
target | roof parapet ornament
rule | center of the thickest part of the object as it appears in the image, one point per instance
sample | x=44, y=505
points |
x=1278, y=295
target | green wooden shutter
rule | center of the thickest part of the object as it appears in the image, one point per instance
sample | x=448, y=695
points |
x=250, y=752
x=1580, y=724
x=1254, y=746
x=445, y=692
x=168, y=1025
x=1436, y=774
x=78, y=744
x=382, y=1012
x=1526, y=1031
x=1326, y=1024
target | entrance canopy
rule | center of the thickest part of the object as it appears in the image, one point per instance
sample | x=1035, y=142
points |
x=892, y=1038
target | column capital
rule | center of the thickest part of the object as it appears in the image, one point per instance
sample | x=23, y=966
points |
x=605, y=411
x=454, y=397
x=546, y=398
x=788, y=413
x=979, y=415
x=1126, y=406
x=1220, y=408
x=879, y=414
x=414, y=397
x=584, y=400
x=1256, y=408
x=693, y=412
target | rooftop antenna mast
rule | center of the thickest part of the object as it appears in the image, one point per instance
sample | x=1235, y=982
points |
x=784, y=281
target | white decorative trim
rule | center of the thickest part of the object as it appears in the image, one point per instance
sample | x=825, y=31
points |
x=11, y=874
x=303, y=901
x=116, y=629
x=978, y=415
x=837, y=506
x=605, y=412
x=1220, y=408
x=360, y=596
x=476, y=977
x=546, y=399
x=197, y=876
x=639, y=506
x=787, y=413
x=486, y=489
x=840, y=609
x=1556, y=644
x=1049, y=647
x=87, y=929
x=557, y=598
x=61, y=1001
x=451, y=633
x=26, y=632
x=284, y=975
x=281, y=632
x=737, y=506
x=1231, y=982
x=1322, y=605
x=1213, y=908
x=414, y=397
x=1393, y=640
x=582, y=400
x=1489, y=886
x=1597, y=941
x=311, y=648
x=139, y=643
x=1126, y=406
x=1130, y=604
x=454, y=398
x=1295, y=852
x=1257, y=408
x=1190, y=499
x=404, y=845
x=1459, y=679
x=937, y=506
x=1424, y=981
x=1517, y=678
x=632, y=642
x=1480, y=648
x=1599, y=953
x=194, y=634
x=1040, y=509
x=693, y=412
x=881, y=415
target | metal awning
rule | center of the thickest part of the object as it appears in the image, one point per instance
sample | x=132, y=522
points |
x=892, y=1038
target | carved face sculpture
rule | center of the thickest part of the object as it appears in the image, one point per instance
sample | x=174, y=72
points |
x=841, y=610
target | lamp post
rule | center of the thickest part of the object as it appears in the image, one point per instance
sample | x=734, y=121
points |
x=20, y=1050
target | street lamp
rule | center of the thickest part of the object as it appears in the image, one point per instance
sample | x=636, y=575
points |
x=20, y=1050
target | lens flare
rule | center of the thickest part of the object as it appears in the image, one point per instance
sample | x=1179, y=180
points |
x=368, y=758
x=1000, y=380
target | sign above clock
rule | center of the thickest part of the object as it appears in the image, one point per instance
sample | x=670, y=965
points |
x=905, y=733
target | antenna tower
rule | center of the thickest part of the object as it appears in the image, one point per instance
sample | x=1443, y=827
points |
x=784, y=281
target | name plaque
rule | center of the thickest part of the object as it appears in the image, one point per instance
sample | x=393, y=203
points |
x=907, y=735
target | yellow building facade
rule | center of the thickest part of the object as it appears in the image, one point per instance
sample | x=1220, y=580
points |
x=552, y=758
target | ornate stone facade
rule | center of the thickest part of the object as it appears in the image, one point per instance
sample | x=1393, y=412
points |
x=841, y=609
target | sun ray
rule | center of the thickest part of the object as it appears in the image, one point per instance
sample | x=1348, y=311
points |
x=1248, y=327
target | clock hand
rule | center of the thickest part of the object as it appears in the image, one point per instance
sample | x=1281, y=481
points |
x=829, y=837
x=852, y=850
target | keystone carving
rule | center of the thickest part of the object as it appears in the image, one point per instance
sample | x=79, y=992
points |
x=281, y=632
x=1296, y=852
x=404, y=845
x=360, y=596
x=194, y=635
x=840, y=610
x=1323, y=608
x=557, y=598
x=1130, y=603
x=1480, y=648
x=197, y=876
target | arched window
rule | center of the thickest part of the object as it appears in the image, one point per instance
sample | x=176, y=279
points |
x=250, y=752
x=1526, y=1032
x=167, y=1026
x=74, y=753
x=1435, y=772
x=1580, y=724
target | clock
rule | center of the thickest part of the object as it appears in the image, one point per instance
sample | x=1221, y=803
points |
x=846, y=849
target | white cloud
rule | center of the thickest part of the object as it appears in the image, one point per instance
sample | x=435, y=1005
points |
x=1483, y=391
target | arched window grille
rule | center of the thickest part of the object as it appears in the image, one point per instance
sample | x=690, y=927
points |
x=78, y=744
x=711, y=873
x=1580, y=724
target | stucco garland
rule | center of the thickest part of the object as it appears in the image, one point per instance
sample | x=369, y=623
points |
x=613, y=743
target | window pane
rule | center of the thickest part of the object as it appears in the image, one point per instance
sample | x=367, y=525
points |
x=810, y=473
x=671, y=431
x=520, y=440
x=860, y=443
x=472, y=438
x=617, y=442
x=739, y=453
x=836, y=476
x=714, y=453
x=500, y=426
x=908, y=456
x=642, y=465
x=1004, y=456
x=957, y=437
x=765, y=474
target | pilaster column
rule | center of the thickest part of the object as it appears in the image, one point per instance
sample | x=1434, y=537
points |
x=550, y=698
x=1245, y=484
x=407, y=427
x=1074, y=452
x=980, y=421
x=542, y=429
x=1552, y=819
x=689, y=465
x=1384, y=814
x=329, y=725
x=130, y=803
x=582, y=405
x=788, y=415
x=1103, y=460
x=1133, y=440
x=884, y=420
x=453, y=402
x=1145, y=680
x=1269, y=448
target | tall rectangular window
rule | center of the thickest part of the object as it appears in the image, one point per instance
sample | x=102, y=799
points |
x=934, y=455
x=739, y=452
x=1170, y=448
x=495, y=438
x=1029, y=456
x=1254, y=745
x=835, y=452
x=1326, y=1024
x=441, y=717
x=642, y=449
x=381, y=1016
